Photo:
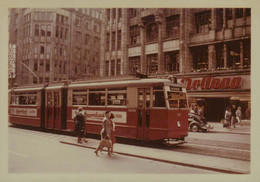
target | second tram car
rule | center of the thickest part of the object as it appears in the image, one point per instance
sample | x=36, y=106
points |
x=144, y=109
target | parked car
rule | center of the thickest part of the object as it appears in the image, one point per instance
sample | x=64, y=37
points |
x=197, y=123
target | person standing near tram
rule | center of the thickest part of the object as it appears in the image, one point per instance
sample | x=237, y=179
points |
x=233, y=118
x=80, y=125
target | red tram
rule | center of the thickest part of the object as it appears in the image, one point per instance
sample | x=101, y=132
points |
x=145, y=109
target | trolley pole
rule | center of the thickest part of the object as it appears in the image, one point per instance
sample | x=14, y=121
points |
x=30, y=71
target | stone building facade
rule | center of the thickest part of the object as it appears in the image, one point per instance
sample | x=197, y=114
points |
x=198, y=46
x=55, y=44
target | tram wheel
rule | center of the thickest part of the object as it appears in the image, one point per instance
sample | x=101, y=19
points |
x=194, y=128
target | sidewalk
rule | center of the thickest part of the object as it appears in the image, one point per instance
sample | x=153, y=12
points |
x=244, y=129
x=212, y=163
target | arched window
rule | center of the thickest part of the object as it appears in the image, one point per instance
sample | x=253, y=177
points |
x=43, y=29
x=36, y=30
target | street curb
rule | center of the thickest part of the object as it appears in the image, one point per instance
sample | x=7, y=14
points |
x=228, y=171
x=229, y=132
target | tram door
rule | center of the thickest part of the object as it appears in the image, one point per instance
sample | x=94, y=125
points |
x=144, y=104
x=53, y=109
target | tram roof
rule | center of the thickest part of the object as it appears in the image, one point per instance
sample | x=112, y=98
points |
x=141, y=82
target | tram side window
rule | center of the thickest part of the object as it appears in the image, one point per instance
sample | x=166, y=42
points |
x=97, y=97
x=23, y=99
x=158, y=99
x=32, y=97
x=14, y=99
x=177, y=100
x=79, y=98
x=116, y=97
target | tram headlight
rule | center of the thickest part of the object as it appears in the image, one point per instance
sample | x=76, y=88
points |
x=178, y=124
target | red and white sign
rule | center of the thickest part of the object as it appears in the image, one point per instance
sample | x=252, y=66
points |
x=208, y=83
x=94, y=115
x=23, y=111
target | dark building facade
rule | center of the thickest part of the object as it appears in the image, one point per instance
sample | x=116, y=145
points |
x=207, y=49
x=55, y=44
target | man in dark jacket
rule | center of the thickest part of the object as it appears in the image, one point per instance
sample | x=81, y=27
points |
x=233, y=118
x=79, y=124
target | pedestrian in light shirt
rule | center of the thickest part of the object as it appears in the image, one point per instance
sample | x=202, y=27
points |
x=238, y=115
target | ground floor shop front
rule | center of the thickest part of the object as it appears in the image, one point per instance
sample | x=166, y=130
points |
x=218, y=91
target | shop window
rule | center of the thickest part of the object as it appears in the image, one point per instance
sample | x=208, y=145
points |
x=36, y=30
x=200, y=58
x=134, y=64
x=113, y=40
x=97, y=97
x=119, y=40
x=219, y=12
x=203, y=22
x=152, y=63
x=79, y=97
x=112, y=72
x=134, y=35
x=219, y=56
x=152, y=32
x=239, y=12
x=172, y=61
x=116, y=97
x=173, y=26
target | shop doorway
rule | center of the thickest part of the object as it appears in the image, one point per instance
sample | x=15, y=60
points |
x=215, y=108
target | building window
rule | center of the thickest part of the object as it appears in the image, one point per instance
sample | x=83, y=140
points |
x=119, y=40
x=114, y=13
x=36, y=32
x=48, y=31
x=78, y=21
x=61, y=32
x=203, y=21
x=118, y=67
x=108, y=14
x=200, y=58
x=113, y=40
x=107, y=68
x=34, y=80
x=134, y=35
x=152, y=32
x=66, y=34
x=134, y=64
x=57, y=31
x=132, y=12
x=57, y=18
x=43, y=29
x=233, y=54
x=112, y=71
x=35, y=66
x=239, y=12
x=219, y=13
x=247, y=54
x=219, y=56
x=152, y=63
x=173, y=26
x=248, y=11
x=47, y=67
x=172, y=61
x=119, y=13
x=107, y=41
x=42, y=50
x=228, y=14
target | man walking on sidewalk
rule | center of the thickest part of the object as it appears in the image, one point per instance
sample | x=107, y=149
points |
x=233, y=118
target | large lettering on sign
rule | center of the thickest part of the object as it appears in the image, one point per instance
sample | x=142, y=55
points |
x=93, y=115
x=23, y=111
x=207, y=83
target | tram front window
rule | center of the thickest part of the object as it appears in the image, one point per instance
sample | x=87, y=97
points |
x=177, y=100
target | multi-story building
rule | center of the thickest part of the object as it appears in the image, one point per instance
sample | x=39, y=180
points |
x=207, y=49
x=55, y=44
